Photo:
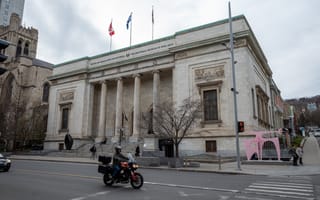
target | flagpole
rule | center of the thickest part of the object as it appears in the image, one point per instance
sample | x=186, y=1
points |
x=131, y=30
x=152, y=22
x=110, y=42
x=111, y=32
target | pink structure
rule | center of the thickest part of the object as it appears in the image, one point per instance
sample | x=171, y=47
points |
x=255, y=145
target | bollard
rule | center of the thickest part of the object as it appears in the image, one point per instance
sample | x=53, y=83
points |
x=219, y=160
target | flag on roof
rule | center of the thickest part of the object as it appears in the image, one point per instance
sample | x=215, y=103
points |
x=111, y=31
x=129, y=20
x=152, y=16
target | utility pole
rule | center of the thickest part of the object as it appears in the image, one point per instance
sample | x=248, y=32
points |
x=234, y=90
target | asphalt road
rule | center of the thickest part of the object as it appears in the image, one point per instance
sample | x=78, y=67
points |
x=33, y=180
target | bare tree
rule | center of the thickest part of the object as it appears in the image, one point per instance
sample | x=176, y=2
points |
x=173, y=121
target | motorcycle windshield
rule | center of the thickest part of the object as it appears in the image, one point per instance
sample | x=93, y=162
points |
x=131, y=159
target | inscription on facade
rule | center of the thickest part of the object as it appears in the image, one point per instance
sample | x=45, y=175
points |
x=209, y=73
x=67, y=96
x=133, y=53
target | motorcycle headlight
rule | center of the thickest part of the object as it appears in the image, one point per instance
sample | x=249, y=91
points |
x=135, y=166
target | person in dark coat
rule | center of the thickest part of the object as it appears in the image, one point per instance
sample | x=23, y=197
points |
x=117, y=158
x=293, y=153
x=68, y=141
x=93, y=151
x=137, y=151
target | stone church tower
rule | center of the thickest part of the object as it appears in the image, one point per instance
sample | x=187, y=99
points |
x=24, y=87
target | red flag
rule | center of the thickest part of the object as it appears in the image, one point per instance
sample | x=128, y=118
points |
x=111, y=31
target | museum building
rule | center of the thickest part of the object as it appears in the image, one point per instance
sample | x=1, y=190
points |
x=103, y=98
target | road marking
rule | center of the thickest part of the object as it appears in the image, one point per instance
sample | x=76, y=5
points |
x=150, y=183
x=286, y=186
x=192, y=187
x=250, y=198
x=279, y=192
x=90, y=195
x=282, y=189
x=287, y=183
x=279, y=188
x=282, y=195
x=183, y=194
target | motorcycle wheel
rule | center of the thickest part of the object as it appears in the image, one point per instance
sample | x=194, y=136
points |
x=107, y=179
x=136, y=184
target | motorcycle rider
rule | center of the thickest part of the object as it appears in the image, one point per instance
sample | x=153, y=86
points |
x=117, y=158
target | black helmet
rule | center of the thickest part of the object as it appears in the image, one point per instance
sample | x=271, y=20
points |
x=117, y=148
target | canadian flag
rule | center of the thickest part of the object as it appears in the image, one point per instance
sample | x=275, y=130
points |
x=111, y=31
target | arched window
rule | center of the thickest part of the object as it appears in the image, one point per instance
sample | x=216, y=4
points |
x=45, y=94
x=26, y=49
x=19, y=48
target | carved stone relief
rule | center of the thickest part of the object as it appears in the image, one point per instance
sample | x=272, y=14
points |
x=209, y=73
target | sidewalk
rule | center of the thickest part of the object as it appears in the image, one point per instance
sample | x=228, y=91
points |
x=263, y=168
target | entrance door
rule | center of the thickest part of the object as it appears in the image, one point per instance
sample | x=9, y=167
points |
x=167, y=146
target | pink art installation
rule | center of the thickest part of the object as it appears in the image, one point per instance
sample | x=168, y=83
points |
x=255, y=145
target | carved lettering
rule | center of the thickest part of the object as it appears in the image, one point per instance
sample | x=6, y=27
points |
x=211, y=73
x=68, y=96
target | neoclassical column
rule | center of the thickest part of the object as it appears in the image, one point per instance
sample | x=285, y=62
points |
x=136, y=107
x=102, y=118
x=118, y=110
x=90, y=98
x=156, y=92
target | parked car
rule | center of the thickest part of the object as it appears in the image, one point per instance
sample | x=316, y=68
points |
x=315, y=132
x=5, y=163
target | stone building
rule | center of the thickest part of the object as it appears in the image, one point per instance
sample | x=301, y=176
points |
x=24, y=87
x=103, y=97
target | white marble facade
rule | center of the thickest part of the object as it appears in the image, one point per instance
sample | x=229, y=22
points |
x=105, y=95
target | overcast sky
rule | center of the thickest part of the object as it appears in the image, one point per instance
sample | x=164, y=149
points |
x=287, y=30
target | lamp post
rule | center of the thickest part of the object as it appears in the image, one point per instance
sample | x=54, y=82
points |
x=234, y=90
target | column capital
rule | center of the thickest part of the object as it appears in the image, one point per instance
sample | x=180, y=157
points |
x=103, y=82
x=156, y=71
x=136, y=75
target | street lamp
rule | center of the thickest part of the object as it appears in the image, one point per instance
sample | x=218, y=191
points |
x=234, y=90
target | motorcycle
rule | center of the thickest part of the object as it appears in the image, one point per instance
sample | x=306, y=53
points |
x=127, y=172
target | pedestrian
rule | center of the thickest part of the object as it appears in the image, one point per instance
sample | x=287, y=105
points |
x=299, y=152
x=93, y=151
x=137, y=154
x=292, y=152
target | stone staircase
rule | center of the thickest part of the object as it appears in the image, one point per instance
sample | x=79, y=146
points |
x=102, y=149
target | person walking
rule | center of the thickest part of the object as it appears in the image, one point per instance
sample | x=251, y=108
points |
x=93, y=151
x=299, y=152
x=293, y=153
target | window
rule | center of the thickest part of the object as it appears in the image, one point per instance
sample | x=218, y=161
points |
x=45, y=93
x=26, y=49
x=19, y=48
x=65, y=118
x=263, y=111
x=211, y=146
x=253, y=104
x=210, y=102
